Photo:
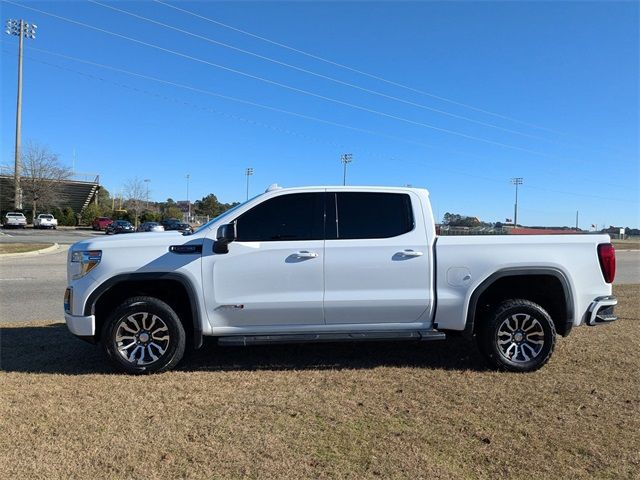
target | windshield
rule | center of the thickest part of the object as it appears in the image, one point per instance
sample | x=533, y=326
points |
x=48, y=217
x=223, y=215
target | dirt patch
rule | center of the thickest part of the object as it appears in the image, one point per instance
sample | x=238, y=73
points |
x=22, y=247
x=383, y=410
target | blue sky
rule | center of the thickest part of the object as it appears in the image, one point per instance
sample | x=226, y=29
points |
x=560, y=80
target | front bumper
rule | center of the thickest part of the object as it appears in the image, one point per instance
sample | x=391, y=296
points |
x=601, y=310
x=81, y=326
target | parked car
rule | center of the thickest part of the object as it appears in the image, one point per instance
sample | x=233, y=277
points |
x=336, y=264
x=15, y=220
x=101, y=223
x=175, y=224
x=120, y=226
x=45, y=220
x=150, y=227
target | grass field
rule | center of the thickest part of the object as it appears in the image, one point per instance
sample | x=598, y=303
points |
x=626, y=244
x=324, y=411
x=22, y=247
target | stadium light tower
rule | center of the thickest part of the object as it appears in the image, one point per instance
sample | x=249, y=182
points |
x=248, y=172
x=345, y=158
x=20, y=29
x=147, y=181
x=516, y=181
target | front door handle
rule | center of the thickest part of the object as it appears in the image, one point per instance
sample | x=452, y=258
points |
x=411, y=253
x=306, y=254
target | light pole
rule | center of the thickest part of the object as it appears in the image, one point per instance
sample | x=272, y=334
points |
x=20, y=29
x=248, y=172
x=345, y=158
x=516, y=181
x=147, y=181
x=188, y=202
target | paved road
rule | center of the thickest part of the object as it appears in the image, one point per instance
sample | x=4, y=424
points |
x=29, y=235
x=627, y=266
x=32, y=288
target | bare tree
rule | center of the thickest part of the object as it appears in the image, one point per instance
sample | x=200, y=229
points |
x=135, y=192
x=42, y=176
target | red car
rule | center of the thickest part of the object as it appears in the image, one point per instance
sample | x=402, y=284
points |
x=101, y=223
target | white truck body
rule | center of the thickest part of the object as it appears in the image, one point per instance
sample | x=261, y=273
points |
x=327, y=287
x=45, y=220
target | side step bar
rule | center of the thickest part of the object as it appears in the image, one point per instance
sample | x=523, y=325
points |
x=244, y=340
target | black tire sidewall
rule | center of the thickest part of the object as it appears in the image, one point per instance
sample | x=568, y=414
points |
x=177, y=335
x=488, y=340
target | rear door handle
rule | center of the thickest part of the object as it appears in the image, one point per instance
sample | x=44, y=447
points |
x=411, y=253
x=306, y=254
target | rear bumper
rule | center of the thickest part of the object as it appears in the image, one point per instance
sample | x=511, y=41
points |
x=601, y=311
x=81, y=326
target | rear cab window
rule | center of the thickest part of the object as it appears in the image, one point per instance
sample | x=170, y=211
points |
x=366, y=215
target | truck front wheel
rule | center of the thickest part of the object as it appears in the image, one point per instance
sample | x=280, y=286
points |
x=517, y=335
x=143, y=335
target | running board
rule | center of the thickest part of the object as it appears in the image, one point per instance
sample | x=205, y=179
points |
x=244, y=340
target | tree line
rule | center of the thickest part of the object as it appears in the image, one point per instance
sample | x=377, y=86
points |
x=42, y=183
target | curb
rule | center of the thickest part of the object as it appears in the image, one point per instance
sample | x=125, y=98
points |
x=35, y=253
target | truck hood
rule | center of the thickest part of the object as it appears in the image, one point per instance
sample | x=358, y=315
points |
x=133, y=240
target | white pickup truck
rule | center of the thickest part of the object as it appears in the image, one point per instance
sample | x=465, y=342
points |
x=334, y=264
x=45, y=220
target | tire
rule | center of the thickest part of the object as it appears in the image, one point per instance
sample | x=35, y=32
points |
x=157, y=338
x=517, y=336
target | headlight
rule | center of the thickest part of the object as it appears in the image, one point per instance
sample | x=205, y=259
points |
x=85, y=262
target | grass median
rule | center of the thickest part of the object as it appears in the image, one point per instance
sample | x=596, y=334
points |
x=22, y=247
x=382, y=410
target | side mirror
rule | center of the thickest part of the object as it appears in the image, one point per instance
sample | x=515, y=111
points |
x=226, y=234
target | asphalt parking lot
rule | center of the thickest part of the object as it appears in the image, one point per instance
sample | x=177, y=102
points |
x=60, y=236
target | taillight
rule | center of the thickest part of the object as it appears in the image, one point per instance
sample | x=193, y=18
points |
x=607, y=257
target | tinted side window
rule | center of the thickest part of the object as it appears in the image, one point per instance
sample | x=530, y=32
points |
x=373, y=215
x=298, y=216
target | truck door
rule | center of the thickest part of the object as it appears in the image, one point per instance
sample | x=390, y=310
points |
x=376, y=258
x=273, y=272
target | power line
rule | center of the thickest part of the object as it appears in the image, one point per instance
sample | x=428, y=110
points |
x=385, y=80
x=319, y=75
x=315, y=139
x=282, y=85
x=271, y=108
x=355, y=70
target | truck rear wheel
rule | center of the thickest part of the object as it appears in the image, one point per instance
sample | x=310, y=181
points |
x=517, y=335
x=143, y=335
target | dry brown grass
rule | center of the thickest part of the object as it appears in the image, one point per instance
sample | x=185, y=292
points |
x=323, y=411
x=22, y=247
x=626, y=244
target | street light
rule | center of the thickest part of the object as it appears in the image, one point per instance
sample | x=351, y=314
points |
x=345, y=158
x=147, y=181
x=21, y=29
x=248, y=172
x=516, y=181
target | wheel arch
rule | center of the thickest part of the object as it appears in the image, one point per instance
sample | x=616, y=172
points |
x=562, y=309
x=128, y=285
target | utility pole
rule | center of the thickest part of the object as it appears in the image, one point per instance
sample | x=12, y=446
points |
x=577, y=216
x=345, y=158
x=147, y=181
x=516, y=181
x=20, y=29
x=188, y=202
x=248, y=172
